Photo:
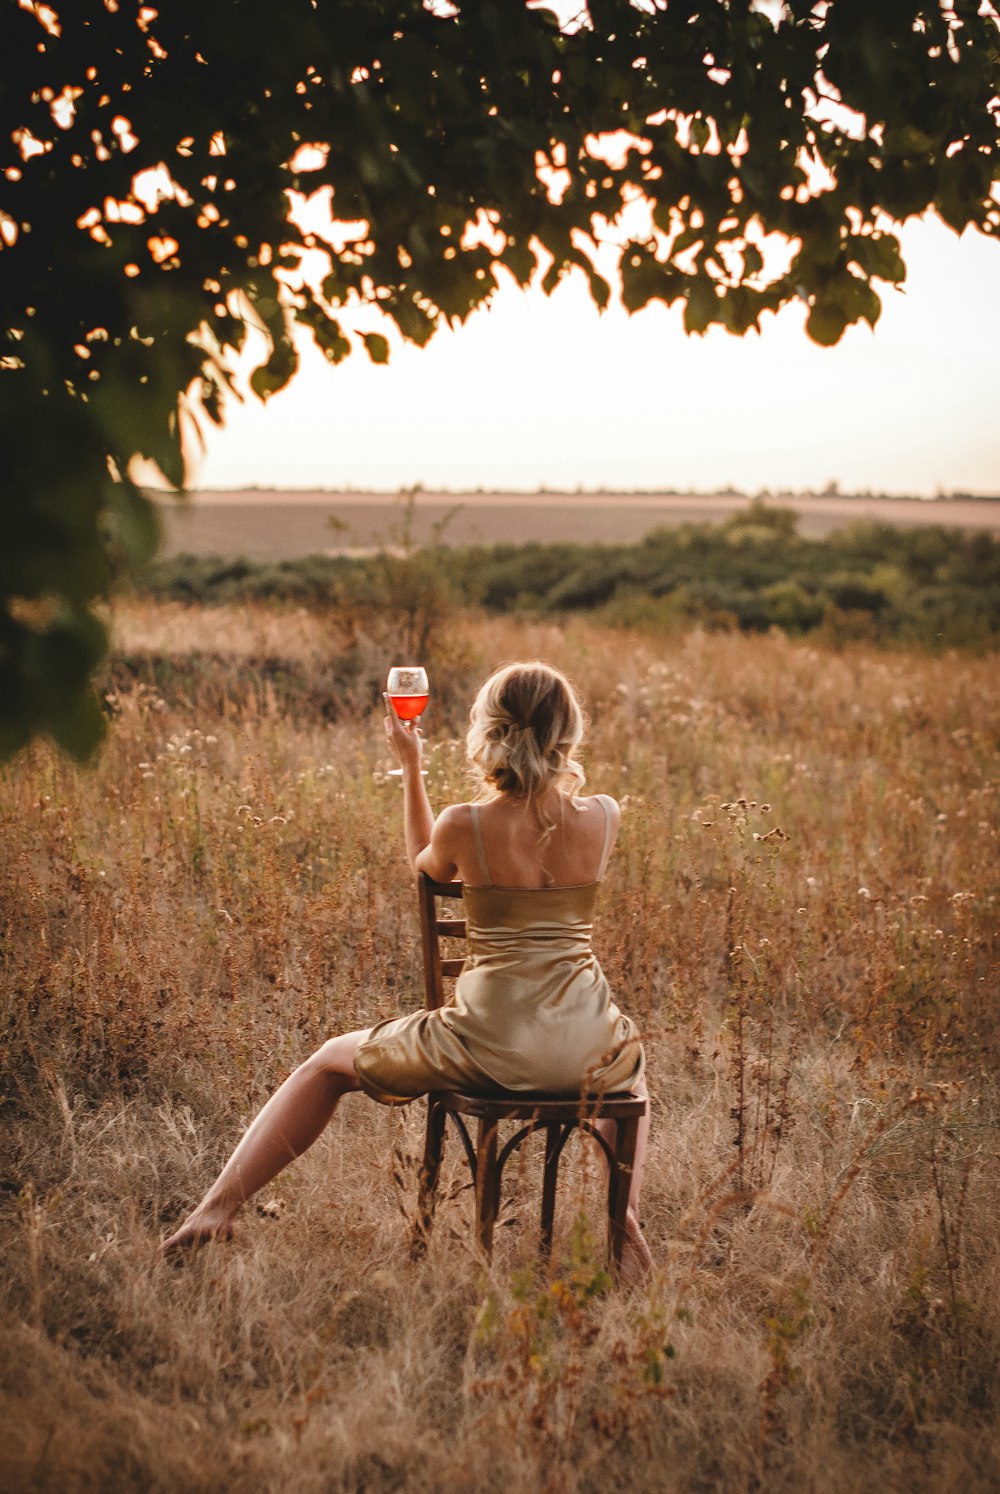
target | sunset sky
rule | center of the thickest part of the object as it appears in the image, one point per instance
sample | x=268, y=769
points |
x=543, y=391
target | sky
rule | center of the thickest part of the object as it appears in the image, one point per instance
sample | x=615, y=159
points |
x=543, y=391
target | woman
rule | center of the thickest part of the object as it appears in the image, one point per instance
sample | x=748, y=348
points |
x=532, y=1010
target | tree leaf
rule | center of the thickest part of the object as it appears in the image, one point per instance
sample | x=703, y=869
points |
x=702, y=306
x=77, y=723
x=136, y=523
x=826, y=324
x=377, y=347
x=885, y=260
x=753, y=260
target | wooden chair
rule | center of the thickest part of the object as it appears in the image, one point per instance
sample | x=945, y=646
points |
x=558, y=1117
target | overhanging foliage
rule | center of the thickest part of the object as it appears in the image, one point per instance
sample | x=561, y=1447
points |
x=728, y=155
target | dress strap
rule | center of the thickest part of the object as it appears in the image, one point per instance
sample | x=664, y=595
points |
x=477, y=836
x=602, y=800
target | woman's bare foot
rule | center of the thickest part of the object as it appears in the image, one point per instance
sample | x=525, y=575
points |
x=637, y=1259
x=198, y=1229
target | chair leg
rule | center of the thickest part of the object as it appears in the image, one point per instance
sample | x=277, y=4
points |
x=553, y=1137
x=433, y=1146
x=619, y=1183
x=487, y=1184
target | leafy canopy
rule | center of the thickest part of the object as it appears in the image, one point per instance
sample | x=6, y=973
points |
x=724, y=154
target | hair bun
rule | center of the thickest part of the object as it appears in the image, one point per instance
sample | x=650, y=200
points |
x=524, y=728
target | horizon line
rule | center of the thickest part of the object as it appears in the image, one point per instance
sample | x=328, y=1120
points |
x=418, y=490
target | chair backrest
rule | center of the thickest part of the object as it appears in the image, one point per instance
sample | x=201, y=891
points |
x=431, y=929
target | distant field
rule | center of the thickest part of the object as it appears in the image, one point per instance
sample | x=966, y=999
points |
x=263, y=524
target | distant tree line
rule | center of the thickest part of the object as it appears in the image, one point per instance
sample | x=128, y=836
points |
x=930, y=585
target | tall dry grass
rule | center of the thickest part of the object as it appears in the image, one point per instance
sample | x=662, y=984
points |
x=802, y=916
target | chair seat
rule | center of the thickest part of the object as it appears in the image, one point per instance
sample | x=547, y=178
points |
x=533, y=1105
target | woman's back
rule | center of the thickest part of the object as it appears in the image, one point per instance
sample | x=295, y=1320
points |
x=558, y=841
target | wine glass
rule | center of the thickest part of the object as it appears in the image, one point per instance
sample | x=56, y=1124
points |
x=408, y=690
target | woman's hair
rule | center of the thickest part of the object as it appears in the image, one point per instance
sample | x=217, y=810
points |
x=525, y=726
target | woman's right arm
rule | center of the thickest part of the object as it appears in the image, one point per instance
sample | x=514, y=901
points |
x=431, y=844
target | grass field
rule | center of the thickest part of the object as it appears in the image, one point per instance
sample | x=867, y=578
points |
x=265, y=525
x=801, y=915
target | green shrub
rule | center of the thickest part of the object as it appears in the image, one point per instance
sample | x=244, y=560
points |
x=933, y=585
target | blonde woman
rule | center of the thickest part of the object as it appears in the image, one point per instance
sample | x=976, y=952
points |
x=532, y=1010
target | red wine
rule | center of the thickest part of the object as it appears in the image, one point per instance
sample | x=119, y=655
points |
x=409, y=707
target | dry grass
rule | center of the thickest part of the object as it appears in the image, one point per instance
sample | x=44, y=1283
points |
x=187, y=921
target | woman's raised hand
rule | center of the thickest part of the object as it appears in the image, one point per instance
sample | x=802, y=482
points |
x=405, y=740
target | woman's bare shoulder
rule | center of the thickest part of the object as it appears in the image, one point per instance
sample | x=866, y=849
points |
x=454, y=819
x=455, y=812
x=599, y=801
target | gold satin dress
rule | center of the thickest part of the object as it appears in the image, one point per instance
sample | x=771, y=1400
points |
x=531, y=1011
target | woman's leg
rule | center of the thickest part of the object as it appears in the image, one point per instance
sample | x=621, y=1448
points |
x=636, y=1258
x=289, y=1123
